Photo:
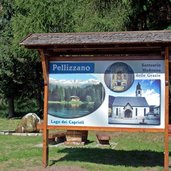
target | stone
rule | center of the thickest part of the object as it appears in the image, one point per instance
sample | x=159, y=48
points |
x=76, y=137
x=103, y=139
x=28, y=124
x=56, y=137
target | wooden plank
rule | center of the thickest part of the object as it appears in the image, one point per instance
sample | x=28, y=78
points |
x=45, y=115
x=40, y=126
x=169, y=129
x=106, y=58
x=100, y=49
x=104, y=50
x=166, y=139
x=45, y=131
x=57, y=134
x=117, y=129
x=44, y=66
x=96, y=53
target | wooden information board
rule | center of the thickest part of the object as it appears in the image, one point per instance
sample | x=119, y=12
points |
x=105, y=81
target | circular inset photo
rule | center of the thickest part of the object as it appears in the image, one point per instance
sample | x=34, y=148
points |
x=119, y=77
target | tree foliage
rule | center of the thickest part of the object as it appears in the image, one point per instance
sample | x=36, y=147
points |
x=91, y=93
x=150, y=15
x=7, y=69
x=100, y=15
x=20, y=71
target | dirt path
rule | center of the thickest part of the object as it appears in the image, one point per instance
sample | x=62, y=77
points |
x=53, y=168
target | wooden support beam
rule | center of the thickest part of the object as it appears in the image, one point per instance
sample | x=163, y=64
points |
x=105, y=58
x=44, y=66
x=101, y=51
x=45, y=114
x=45, y=130
x=117, y=129
x=166, y=139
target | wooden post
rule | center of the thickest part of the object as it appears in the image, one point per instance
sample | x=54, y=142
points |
x=45, y=114
x=45, y=131
x=166, y=146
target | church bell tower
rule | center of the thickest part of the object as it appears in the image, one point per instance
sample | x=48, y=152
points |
x=138, y=90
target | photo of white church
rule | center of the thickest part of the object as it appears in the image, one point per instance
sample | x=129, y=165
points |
x=135, y=109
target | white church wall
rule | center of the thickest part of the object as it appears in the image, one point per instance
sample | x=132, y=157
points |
x=119, y=112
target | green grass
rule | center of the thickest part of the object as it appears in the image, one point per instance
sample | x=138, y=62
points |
x=128, y=152
x=8, y=124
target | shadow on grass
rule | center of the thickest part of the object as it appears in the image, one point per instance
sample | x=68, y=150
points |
x=133, y=158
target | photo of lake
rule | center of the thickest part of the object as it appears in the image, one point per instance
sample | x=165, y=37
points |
x=74, y=96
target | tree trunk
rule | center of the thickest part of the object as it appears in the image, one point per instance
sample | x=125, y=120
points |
x=10, y=107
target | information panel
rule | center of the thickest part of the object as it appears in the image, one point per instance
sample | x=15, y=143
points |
x=107, y=93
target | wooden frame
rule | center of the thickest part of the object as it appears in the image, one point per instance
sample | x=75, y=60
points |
x=120, y=129
x=96, y=48
x=166, y=139
x=96, y=58
x=45, y=130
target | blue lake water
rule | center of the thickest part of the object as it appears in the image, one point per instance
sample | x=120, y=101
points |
x=70, y=111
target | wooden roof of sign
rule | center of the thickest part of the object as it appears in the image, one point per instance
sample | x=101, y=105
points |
x=99, y=42
x=132, y=37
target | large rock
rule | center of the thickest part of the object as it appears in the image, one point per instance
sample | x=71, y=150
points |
x=28, y=123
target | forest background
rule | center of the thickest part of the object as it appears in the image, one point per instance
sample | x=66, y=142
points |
x=21, y=83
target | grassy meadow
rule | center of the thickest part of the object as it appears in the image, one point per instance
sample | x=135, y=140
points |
x=128, y=152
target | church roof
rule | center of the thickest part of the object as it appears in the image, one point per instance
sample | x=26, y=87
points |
x=133, y=101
